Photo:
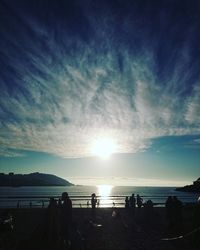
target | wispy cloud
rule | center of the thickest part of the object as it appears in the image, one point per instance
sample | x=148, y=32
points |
x=61, y=88
x=116, y=181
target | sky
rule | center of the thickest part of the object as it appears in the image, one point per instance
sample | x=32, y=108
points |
x=75, y=72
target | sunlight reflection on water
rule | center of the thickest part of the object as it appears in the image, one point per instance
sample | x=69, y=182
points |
x=104, y=191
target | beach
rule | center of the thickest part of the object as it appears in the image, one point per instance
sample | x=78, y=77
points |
x=108, y=229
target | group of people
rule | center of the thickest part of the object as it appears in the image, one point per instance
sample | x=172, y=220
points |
x=62, y=233
x=174, y=216
x=59, y=219
x=60, y=224
x=132, y=201
x=174, y=211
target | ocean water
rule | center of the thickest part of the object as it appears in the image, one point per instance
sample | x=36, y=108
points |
x=107, y=196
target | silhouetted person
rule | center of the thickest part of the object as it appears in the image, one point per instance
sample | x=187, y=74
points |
x=139, y=201
x=59, y=203
x=126, y=202
x=177, y=213
x=196, y=225
x=52, y=224
x=65, y=216
x=93, y=200
x=132, y=201
x=98, y=202
x=6, y=222
x=52, y=204
x=149, y=204
x=149, y=212
x=169, y=211
x=7, y=239
x=93, y=204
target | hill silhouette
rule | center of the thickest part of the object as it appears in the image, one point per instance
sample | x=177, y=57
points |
x=32, y=179
x=195, y=187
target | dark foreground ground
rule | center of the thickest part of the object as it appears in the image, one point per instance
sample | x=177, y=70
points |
x=144, y=231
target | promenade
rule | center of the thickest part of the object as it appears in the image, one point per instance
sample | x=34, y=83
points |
x=110, y=229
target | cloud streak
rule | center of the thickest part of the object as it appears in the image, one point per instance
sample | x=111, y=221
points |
x=70, y=77
x=94, y=181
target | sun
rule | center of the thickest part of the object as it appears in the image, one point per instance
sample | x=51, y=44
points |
x=103, y=147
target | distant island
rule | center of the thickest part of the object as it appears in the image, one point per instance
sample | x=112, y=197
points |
x=33, y=179
x=195, y=187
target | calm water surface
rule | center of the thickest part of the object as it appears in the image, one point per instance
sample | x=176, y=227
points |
x=9, y=196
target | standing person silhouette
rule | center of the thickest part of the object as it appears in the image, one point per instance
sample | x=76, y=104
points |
x=93, y=200
x=169, y=211
x=139, y=201
x=126, y=202
x=52, y=224
x=93, y=203
x=65, y=217
x=132, y=201
x=177, y=214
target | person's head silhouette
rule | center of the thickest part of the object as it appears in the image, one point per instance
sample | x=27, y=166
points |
x=65, y=196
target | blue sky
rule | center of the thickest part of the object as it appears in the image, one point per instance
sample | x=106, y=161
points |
x=72, y=72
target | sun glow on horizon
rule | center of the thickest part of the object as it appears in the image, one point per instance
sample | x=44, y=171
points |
x=103, y=148
x=104, y=190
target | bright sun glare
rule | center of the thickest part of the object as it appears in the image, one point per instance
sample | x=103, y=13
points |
x=103, y=148
x=104, y=190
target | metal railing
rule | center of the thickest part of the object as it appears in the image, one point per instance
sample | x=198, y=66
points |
x=82, y=201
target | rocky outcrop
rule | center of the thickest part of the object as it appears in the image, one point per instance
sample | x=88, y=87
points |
x=195, y=187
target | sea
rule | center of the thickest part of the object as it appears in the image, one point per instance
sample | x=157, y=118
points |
x=107, y=195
